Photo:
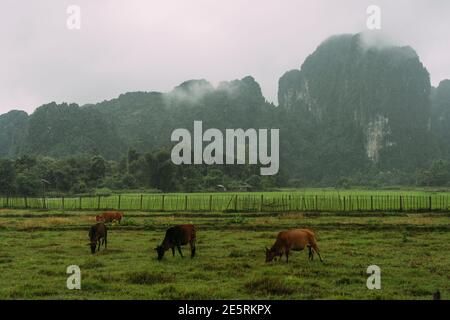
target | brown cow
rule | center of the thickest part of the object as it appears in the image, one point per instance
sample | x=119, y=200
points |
x=175, y=237
x=296, y=240
x=98, y=234
x=110, y=216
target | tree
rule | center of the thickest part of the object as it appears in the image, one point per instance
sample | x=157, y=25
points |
x=98, y=168
x=254, y=181
x=437, y=175
x=28, y=184
x=7, y=177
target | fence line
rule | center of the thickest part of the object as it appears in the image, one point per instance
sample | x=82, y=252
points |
x=236, y=203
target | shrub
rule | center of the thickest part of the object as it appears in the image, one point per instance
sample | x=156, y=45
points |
x=128, y=222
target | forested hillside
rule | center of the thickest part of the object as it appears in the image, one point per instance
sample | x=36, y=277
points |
x=351, y=114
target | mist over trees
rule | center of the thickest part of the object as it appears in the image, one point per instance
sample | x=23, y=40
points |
x=351, y=115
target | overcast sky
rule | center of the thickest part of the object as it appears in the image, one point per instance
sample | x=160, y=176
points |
x=149, y=45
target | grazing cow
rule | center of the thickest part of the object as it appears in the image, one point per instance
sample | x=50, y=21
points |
x=98, y=234
x=437, y=295
x=110, y=216
x=296, y=240
x=175, y=237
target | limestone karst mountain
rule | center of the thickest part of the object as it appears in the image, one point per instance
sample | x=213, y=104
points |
x=349, y=108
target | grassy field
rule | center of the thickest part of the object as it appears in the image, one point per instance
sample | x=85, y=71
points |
x=411, y=249
x=282, y=201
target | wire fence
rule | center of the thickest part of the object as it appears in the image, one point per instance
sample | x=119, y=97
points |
x=235, y=203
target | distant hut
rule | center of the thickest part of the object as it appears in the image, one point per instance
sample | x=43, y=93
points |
x=220, y=187
x=245, y=187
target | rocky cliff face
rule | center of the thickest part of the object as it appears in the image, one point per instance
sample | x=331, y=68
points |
x=440, y=111
x=13, y=130
x=381, y=92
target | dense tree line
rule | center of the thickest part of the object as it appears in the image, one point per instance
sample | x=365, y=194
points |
x=154, y=171
x=33, y=175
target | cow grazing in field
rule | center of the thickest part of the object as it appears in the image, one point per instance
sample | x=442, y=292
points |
x=175, y=237
x=437, y=295
x=296, y=240
x=110, y=216
x=98, y=234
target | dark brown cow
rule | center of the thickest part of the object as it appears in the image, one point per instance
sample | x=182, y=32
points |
x=110, y=216
x=296, y=240
x=175, y=237
x=98, y=234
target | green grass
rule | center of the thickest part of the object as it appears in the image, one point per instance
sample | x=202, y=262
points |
x=329, y=199
x=411, y=250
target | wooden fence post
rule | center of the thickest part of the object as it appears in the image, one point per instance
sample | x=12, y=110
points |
x=185, y=202
x=62, y=202
x=235, y=203
x=430, y=204
x=371, y=203
x=262, y=203
x=98, y=203
x=162, y=204
x=141, y=201
x=26, y=203
x=118, y=205
x=401, y=204
x=80, y=203
x=210, y=202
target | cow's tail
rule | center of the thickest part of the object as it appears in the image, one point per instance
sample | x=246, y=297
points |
x=106, y=238
x=193, y=241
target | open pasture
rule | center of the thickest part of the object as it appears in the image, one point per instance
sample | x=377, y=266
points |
x=319, y=200
x=411, y=250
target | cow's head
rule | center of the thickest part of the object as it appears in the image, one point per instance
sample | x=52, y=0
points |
x=160, y=250
x=93, y=245
x=270, y=254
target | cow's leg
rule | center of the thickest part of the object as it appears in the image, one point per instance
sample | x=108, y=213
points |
x=192, y=243
x=179, y=250
x=286, y=252
x=98, y=249
x=173, y=251
x=316, y=249
x=311, y=253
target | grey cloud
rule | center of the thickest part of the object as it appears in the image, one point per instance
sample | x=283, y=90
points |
x=146, y=45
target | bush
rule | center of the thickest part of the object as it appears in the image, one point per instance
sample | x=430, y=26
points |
x=104, y=192
x=79, y=188
x=128, y=222
x=114, y=182
x=28, y=185
x=239, y=219
x=129, y=182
